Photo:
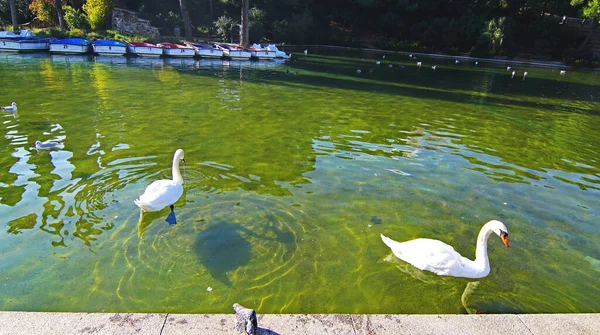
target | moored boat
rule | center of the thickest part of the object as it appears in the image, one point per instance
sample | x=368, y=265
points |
x=234, y=51
x=177, y=50
x=144, y=49
x=70, y=46
x=278, y=53
x=109, y=47
x=25, y=44
x=261, y=53
x=206, y=51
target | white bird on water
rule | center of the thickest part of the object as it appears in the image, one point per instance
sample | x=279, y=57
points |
x=525, y=75
x=434, y=67
x=508, y=68
x=440, y=258
x=11, y=108
x=164, y=192
x=476, y=63
x=378, y=62
x=48, y=145
x=513, y=74
x=419, y=64
x=358, y=71
x=456, y=61
x=306, y=51
x=563, y=72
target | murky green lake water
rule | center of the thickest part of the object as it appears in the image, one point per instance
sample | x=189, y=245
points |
x=293, y=170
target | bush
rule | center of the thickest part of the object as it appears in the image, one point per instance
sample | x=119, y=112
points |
x=76, y=19
x=44, y=10
x=98, y=11
x=223, y=27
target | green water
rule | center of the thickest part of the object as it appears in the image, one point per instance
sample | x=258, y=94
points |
x=290, y=179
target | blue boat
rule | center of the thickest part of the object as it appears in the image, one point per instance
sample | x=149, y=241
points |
x=109, y=47
x=70, y=46
x=25, y=44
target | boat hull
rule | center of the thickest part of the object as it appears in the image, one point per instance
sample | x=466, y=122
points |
x=209, y=53
x=109, y=50
x=263, y=54
x=69, y=49
x=145, y=51
x=179, y=52
x=237, y=54
x=24, y=46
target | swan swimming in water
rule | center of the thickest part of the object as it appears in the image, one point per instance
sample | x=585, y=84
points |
x=11, y=108
x=440, y=258
x=163, y=193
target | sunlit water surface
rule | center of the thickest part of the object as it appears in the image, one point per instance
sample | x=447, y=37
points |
x=293, y=170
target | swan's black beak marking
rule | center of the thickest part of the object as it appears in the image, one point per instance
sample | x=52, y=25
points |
x=504, y=237
x=183, y=160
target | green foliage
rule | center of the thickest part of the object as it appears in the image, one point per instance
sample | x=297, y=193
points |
x=493, y=34
x=591, y=8
x=98, y=11
x=44, y=10
x=223, y=27
x=75, y=19
x=21, y=7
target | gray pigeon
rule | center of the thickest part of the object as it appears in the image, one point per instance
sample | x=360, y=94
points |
x=245, y=320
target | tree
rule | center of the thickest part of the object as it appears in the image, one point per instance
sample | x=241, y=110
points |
x=13, y=14
x=591, y=10
x=186, y=20
x=245, y=39
x=59, y=13
x=97, y=12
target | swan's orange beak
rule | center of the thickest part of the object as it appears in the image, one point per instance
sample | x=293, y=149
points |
x=504, y=238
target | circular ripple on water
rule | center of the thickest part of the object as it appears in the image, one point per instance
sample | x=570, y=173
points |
x=231, y=240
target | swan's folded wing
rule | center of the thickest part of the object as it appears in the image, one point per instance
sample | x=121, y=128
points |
x=161, y=193
x=427, y=254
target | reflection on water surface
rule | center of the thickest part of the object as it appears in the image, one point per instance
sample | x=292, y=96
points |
x=293, y=170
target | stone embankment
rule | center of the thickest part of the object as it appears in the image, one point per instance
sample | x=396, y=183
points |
x=128, y=22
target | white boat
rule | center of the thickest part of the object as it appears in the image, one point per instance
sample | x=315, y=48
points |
x=278, y=53
x=28, y=44
x=206, y=51
x=234, y=51
x=177, y=50
x=144, y=49
x=109, y=48
x=261, y=53
x=21, y=34
x=70, y=46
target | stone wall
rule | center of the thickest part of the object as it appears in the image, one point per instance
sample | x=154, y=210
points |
x=582, y=28
x=127, y=22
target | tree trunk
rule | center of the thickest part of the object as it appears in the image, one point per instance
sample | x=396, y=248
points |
x=211, y=10
x=186, y=20
x=245, y=34
x=13, y=15
x=59, y=11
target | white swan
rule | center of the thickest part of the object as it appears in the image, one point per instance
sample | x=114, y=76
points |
x=441, y=259
x=11, y=108
x=163, y=193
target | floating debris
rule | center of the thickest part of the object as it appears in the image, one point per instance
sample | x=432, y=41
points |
x=396, y=171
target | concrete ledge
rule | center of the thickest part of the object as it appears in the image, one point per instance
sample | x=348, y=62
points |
x=32, y=323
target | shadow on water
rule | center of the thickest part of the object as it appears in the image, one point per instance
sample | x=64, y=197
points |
x=223, y=248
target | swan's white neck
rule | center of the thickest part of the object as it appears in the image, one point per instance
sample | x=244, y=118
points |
x=482, y=262
x=175, y=169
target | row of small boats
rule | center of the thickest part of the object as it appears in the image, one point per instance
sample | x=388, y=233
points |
x=78, y=46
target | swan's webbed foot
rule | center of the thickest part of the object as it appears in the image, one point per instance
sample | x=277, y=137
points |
x=171, y=219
